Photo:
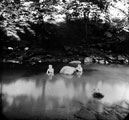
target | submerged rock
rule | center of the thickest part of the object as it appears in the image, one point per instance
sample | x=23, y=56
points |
x=88, y=60
x=85, y=114
x=98, y=95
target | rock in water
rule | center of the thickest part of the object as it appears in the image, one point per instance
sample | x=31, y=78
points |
x=75, y=62
x=68, y=70
x=88, y=60
x=98, y=95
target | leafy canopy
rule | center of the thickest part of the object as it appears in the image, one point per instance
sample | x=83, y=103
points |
x=18, y=17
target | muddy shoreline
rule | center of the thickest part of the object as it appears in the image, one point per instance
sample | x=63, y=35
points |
x=65, y=58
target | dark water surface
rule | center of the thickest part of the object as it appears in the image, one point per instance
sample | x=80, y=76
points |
x=60, y=96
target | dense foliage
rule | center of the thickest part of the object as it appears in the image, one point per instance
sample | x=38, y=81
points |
x=31, y=23
x=18, y=17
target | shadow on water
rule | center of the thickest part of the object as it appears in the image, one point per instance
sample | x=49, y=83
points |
x=101, y=90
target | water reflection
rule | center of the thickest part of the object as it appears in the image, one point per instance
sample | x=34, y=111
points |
x=21, y=87
x=61, y=92
x=50, y=77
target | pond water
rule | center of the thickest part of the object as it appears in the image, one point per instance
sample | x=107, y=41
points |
x=60, y=96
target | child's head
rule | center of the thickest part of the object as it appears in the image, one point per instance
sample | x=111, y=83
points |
x=79, y=65
x=50, y=66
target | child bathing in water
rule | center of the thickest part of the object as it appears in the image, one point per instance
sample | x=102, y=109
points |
x=50, y=70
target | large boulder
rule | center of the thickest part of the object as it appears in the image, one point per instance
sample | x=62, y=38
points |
x=75, y=62
x=88, y=60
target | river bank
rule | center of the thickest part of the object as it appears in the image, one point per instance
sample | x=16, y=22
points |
x=37, y=56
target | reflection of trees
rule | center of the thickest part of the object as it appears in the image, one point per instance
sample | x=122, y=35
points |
x=21, y=88
x=77, y=89
x=113, y=93
x=62, y=91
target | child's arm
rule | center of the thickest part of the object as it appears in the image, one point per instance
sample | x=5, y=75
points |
x=47, y=71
